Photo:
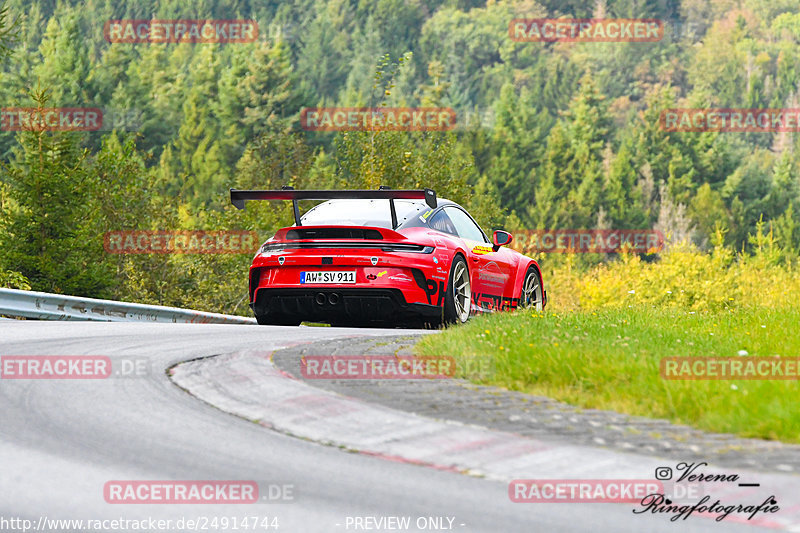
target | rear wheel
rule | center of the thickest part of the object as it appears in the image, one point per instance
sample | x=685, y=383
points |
x=531, y=295
x=458, y=297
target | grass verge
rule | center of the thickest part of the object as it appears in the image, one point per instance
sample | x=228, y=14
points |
x=609, y=359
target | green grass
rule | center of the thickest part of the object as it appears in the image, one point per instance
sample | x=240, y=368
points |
x=609, y=359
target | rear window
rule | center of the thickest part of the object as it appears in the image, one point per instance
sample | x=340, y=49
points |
x=362, y=213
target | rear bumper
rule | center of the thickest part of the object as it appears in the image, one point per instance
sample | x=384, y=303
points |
x=342, y=305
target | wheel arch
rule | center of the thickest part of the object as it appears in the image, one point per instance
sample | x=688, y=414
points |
x=522, y=269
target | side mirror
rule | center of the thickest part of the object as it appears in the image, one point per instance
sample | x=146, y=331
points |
x=501, y=238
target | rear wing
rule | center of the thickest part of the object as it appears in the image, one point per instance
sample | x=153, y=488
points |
x=239, y=197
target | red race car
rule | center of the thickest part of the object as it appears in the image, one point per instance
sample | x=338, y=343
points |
x=385, y=257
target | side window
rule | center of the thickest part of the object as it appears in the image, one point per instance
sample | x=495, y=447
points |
x=465, y=227
x=441, y=222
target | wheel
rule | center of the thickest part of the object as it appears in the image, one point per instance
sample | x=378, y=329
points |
x=458, y=298
x=531, y=294
x=267, y=320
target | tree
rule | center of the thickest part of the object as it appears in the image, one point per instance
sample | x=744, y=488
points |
x=573, y=172
x=45, y=224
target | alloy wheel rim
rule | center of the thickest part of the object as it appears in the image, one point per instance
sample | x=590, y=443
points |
x=461, y=292
x=532, y=292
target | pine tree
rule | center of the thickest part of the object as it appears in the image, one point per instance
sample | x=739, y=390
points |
x=46, y=229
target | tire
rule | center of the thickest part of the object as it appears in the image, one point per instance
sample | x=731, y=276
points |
x=530, y=294
x=266, y=320
x=458, y=298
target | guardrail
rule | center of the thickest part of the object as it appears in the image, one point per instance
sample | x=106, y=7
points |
x=46, y=306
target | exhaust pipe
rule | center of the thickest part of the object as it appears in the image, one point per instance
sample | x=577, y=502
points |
x=333, y=298
x=320, y=298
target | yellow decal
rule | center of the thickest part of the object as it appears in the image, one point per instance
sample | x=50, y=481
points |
x=381, y=273
x=426, y=215
x=482, y=250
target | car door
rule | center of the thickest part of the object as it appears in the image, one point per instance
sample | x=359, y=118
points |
x=490, y=271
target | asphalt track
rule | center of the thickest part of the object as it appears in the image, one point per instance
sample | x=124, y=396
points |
x=62, y=440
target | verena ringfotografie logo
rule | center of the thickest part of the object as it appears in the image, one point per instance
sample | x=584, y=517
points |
x=582, y=490
x=377, y=367
x=589, y=241
x=51, y=119
x=181, y=31
x=377, y=118
x=71, y=367
x=704, y=504
x=730, y=120
x=180, y=242
x=725, y=368
x=586, y=30
x=171, y=492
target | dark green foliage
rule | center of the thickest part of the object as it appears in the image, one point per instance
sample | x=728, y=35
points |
x=549, y=135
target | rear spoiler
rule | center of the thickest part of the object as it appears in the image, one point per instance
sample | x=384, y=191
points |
x=238, y=197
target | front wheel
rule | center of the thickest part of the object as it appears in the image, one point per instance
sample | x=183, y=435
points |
x=531, y=295
x=459, y=295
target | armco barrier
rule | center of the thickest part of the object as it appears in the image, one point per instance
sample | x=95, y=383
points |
x=45, y=306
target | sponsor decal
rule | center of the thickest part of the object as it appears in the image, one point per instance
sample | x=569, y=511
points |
x=492, y=302
x=491, y=278
x=482, y=250
x=381, y=274
x=491, y=274
x=431, y=288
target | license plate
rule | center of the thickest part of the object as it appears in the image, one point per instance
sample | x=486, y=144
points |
x=328, y=276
